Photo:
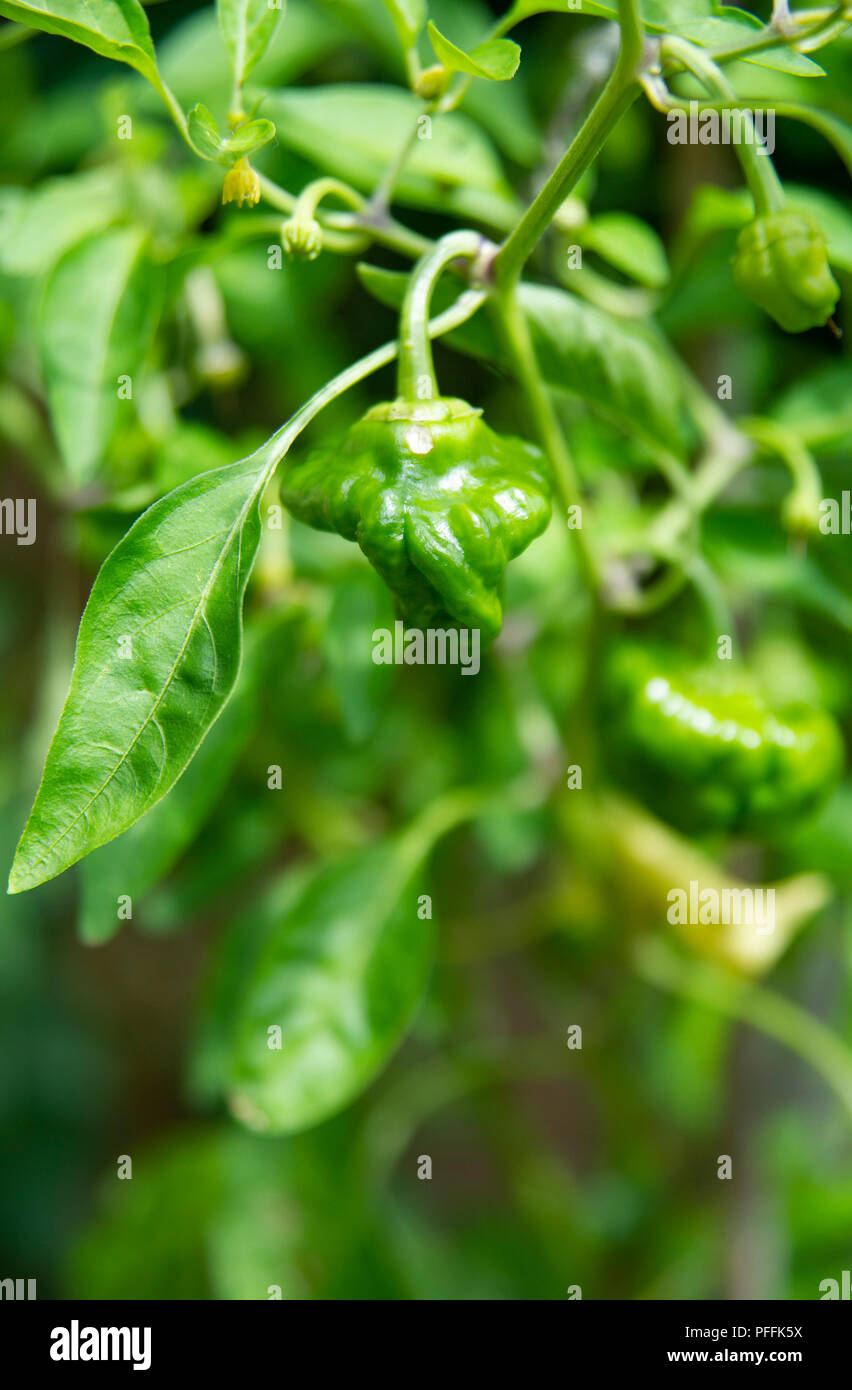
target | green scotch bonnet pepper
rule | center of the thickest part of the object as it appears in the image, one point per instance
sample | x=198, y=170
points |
x=706, y=750
x=782, y=264
x=436, y=500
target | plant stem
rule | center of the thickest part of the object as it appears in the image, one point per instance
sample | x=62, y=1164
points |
x=756, y=164
x=515, y=329
x=620, y=91
x=277, y=445
x=416, y=374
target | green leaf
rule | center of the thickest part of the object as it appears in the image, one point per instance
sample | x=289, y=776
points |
x=408, y=17
x=360, y=605
x=194, y=61
x=497, y=59
x=341, y=977
x=623, y=368
x=171, y=595
x=45, y=221
x=354, y=131
x=251, y=135
x=137, y=861
x=204, y=132
x=96, y=317
x=113, y=28
x=247, y=28
x=630, y=245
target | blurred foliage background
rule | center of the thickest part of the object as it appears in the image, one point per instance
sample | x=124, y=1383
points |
x=551, y=1167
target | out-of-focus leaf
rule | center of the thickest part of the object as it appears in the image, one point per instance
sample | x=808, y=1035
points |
x=360, y=605
x=194, y=62
x=408, y=17
x=41, y=224
x=820, y=407
x=247, y=27
x=150, y=1238
x=355, y=131
x=98, y=312
x=630, y=245
x=340, y=977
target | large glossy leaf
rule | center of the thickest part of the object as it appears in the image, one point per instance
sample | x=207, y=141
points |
x=135, y=862
x=340, y=976
x=99, y=307
x=169, y=597
x=247, y=28
x=114, y=28
x=623, y=368
x=356, y=131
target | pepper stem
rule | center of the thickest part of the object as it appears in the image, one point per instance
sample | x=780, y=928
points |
x=764, y=184
x=416, y=372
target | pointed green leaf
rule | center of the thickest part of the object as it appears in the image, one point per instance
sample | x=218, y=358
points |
x=250, y=136
x=157, y=656
x=408, y=17
x=247, y=27
x=497, y=59
x=204, y=132
x=341, y=977
x=628, y=244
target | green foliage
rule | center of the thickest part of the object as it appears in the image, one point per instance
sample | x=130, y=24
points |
x=346, y=908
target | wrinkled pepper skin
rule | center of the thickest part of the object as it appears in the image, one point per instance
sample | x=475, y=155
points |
x=782, y=264
x=706, y=750
x=436, y=500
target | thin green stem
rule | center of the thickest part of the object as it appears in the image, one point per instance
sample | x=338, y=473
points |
x=515, y=329
x=620, y=91
x=416, y=375
x=757, y=167
x=382, y=197
x=278, y=444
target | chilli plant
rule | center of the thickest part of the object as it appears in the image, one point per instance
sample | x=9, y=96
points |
x=491, y=734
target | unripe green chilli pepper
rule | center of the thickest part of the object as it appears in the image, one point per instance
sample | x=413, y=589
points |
x=782, y=264
x=705, y=748
x=436, y=500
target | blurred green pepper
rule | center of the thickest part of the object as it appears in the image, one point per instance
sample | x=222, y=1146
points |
x=782, y=264
x=436, y=500
x=705, y=748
